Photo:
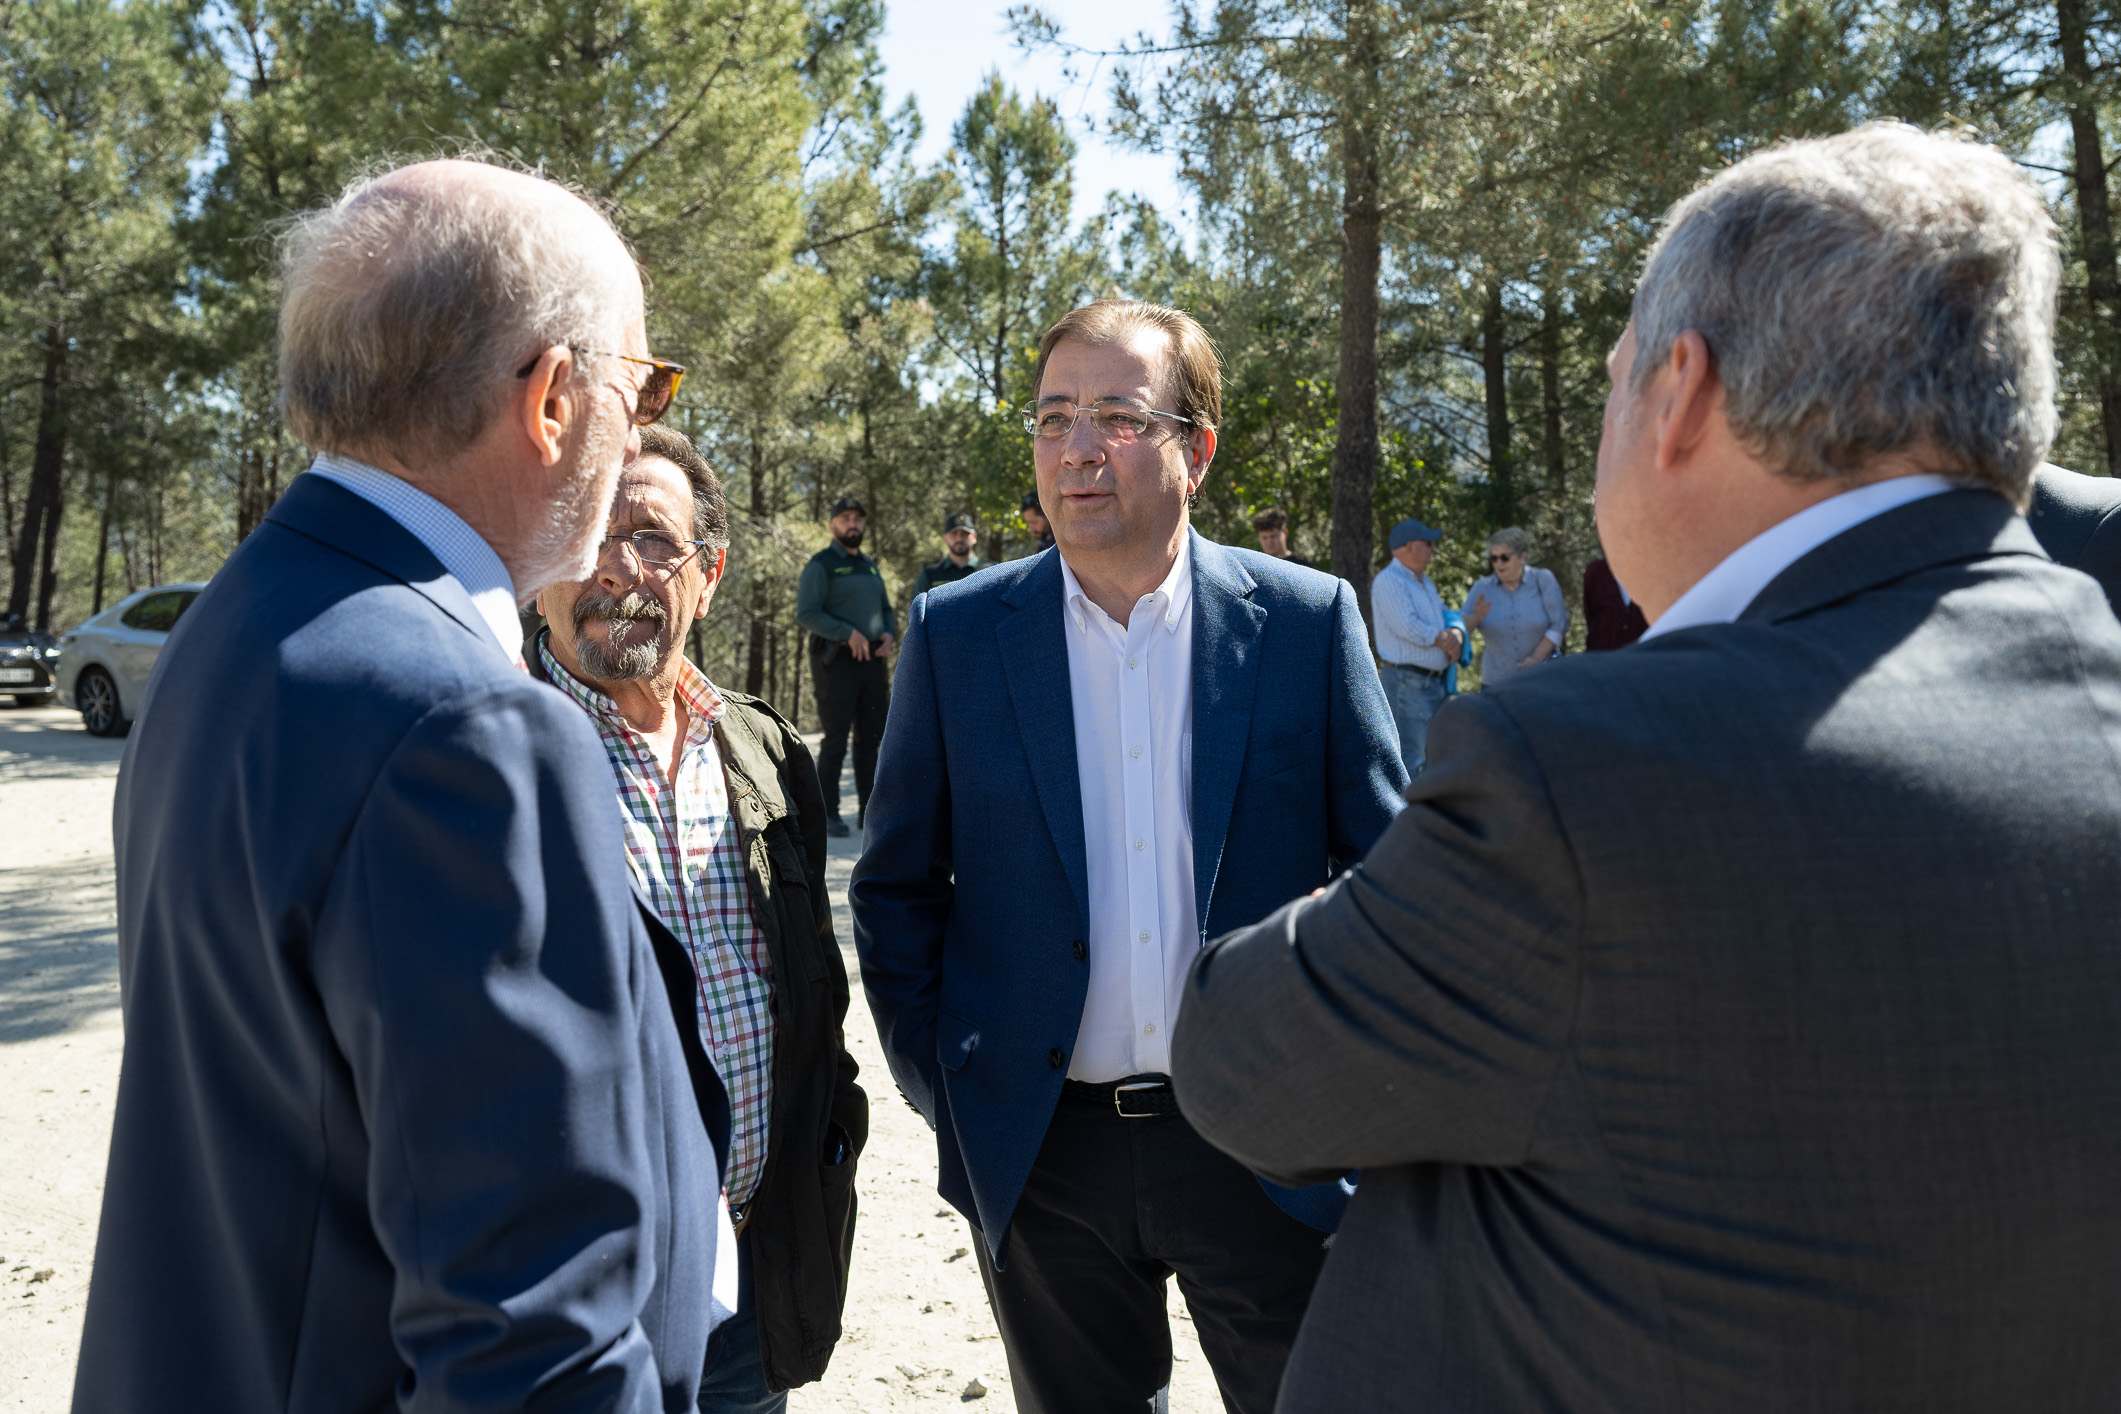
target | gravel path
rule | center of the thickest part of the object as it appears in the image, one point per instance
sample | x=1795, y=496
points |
x=918, y=1333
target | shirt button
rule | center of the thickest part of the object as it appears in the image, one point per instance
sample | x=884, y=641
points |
x=1149, y=1030
x=1130, y=662
x=1053, y=1058
x=1145, y=935
x=1080, y=952
x=1137, y=844
x=1137, y=751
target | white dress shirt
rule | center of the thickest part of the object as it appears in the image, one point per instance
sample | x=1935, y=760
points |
x=463, y=552
x=1132, y=690
x=1724, y=593
x=1408, y=614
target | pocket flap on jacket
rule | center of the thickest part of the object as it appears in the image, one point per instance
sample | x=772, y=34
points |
x=955, y=1041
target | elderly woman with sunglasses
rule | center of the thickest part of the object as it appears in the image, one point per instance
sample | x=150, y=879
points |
x=1517, y=608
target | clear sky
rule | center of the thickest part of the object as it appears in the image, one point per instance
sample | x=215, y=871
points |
x=940, y=51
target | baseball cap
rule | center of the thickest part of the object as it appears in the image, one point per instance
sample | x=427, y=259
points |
x=1410, y=530
x=960, y=521
x=848, y=503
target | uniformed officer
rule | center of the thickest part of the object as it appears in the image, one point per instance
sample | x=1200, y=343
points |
x=841, y=599
x=959, y=534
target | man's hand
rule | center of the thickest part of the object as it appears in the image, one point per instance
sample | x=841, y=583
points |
x=858, y=645
x=1451, y=641
x=883, y=646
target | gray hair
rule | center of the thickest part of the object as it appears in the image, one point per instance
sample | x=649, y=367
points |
x=406, y=311
x=1865, y=294
x=1514, y=540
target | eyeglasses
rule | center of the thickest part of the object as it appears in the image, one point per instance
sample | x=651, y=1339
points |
x=657, y=391
x=1118, y=420
x=653, y=547
x=1502, y=559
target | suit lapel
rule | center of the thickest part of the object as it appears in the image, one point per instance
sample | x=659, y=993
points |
x=1034, y=651
x=1954, y=526
x=1227, y=628
x=327, y=512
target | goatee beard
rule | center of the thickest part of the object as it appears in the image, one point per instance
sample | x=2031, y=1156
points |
x=607, y=662
x=851, y=539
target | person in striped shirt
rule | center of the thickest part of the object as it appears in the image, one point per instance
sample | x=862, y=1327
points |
x=725, y=835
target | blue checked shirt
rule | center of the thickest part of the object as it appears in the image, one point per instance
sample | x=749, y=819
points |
x=688, y=857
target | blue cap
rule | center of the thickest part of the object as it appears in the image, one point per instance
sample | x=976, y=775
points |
x=1411, y=529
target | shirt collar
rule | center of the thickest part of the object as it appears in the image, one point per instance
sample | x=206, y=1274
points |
x=1396, y=564
x=462, y=551
x=1176, y=589
x=1722, y=594
x=704, y=703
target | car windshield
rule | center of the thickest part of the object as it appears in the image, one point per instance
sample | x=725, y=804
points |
x=158, y=613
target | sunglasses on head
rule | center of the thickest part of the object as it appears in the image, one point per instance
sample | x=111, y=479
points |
x=658, y=389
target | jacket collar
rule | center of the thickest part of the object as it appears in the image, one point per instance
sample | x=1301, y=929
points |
x=328, y=513
x=1949, y=529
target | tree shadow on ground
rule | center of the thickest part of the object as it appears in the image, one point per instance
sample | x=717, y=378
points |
x=58, y=947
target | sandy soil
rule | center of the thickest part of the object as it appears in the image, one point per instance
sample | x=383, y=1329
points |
x=917, y=1328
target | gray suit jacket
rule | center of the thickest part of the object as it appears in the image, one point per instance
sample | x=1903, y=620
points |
x=2078, y=520
x=1732, y=1023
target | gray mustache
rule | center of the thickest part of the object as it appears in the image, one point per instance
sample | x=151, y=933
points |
x=634, y=606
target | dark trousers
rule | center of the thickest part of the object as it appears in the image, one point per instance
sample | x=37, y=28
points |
x=849, y=694
x=1113, y=1207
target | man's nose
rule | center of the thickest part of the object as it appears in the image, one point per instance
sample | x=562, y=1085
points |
x=618, y=563
x=1082, y=446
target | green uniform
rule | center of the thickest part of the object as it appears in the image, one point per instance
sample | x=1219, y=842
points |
x=842, y=592
x=945, y=571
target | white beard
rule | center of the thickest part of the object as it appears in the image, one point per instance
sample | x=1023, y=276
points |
x=565, y=548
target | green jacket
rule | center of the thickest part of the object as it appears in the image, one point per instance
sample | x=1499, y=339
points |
x=801, y=1220
x=842, y=593
x=944, y=572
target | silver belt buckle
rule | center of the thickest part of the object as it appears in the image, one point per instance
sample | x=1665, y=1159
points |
x=1119, y=1090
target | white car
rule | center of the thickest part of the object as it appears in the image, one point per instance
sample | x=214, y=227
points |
x=103, y=664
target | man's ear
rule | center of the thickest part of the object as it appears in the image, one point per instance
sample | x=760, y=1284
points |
x=713, y=577
x=1689, y=400
x=547, y=406
x=1200, y=450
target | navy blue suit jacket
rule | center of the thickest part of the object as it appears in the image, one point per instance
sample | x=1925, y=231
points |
x=407, y=1117
x=972, y=895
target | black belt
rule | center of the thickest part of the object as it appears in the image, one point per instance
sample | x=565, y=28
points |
x=1136, y=1097
x=1417, y=668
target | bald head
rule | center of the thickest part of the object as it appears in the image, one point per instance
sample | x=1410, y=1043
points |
x=410, y=302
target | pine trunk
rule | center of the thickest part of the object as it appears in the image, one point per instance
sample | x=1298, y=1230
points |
x=2095, y=224
x=755, y=654
x=1355, y=440
x=1495, y=373
x=40, y=510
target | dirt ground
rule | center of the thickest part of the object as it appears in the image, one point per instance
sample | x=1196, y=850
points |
x=918, y=1334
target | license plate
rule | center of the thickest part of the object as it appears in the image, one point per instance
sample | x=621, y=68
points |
x=17, y=675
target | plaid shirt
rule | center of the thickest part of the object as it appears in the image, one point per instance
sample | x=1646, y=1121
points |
x=688, y=858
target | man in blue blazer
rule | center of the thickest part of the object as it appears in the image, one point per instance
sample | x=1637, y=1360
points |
x=1096, y=758
x=408, y=1118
